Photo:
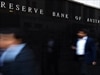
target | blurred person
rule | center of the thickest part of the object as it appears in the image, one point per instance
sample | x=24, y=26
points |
x=85, y=50
x=51, y=55
x=16, y=58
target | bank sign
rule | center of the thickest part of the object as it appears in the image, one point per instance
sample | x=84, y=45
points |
x=11, y=7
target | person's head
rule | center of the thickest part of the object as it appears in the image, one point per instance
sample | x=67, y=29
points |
x=10, y=36
x=82, y=33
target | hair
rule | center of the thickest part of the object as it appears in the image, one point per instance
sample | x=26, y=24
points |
x=18, y=33
x=84, y=30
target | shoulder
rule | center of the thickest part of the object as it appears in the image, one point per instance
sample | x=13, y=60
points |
x=26, y=53
x=90, y=39
x=27, y=50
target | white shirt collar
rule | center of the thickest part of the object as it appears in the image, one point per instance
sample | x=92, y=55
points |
x=85, y=38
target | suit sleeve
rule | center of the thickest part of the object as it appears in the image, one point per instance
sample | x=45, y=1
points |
x=27, y=63
x=93, y=50
x=28, y=67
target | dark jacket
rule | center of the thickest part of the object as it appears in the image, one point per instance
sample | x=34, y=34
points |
x=24, y=64
x=90, y=50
